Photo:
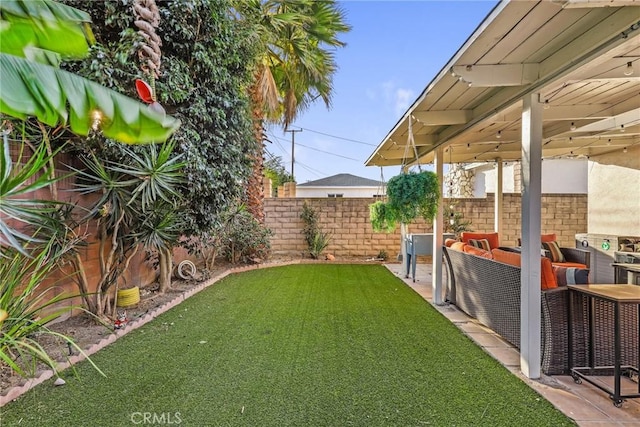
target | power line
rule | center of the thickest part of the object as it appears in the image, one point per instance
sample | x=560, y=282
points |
x=339, y=137
x=327, y=152
x=316, y=172
x=315, y=149
x=276, y=140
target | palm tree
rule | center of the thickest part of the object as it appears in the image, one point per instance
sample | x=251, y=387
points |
x=295, y=66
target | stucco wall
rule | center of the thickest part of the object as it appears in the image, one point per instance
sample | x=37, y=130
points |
x=559, y=176
x=302, y=191
x=614, y=194
x=348, y=221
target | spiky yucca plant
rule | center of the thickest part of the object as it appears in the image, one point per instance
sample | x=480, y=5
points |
x=27, y=305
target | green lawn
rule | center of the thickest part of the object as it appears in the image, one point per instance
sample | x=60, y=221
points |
x=302, y=345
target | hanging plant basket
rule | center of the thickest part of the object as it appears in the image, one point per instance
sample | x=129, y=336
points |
x=411, y=195
x=414, y=195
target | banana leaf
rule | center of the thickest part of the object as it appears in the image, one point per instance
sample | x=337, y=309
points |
x=57, y=97
x=44, y=24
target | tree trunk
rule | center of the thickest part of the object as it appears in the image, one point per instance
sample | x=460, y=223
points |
x=255, y=190
x=164, y=278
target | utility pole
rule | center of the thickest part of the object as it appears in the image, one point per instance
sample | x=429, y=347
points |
x=293, y=144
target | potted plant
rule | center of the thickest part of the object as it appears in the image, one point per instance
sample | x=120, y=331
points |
x=409, y=196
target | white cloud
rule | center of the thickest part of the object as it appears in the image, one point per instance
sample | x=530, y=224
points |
x=399, y=99
x=403, y=98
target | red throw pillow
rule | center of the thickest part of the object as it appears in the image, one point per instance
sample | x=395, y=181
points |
x=544, y=238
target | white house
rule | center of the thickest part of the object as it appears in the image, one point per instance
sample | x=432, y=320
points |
x=341, y=185
x=559, y=176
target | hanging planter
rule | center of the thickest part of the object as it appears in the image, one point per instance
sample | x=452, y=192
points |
x=411, y=195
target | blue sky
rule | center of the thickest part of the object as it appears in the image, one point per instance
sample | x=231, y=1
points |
x=395, y=48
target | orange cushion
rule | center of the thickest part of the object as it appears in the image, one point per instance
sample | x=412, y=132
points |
x=449, y=242
x=477, y=251
x=493, y=238
x=506, y=257
x=458, y=246
x=548, y=277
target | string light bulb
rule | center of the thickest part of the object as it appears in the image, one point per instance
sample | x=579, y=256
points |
x=573, y=126
x=499, y=134
x=546, y=105
x=624, y=150
x=621, y=128
x=628, y=70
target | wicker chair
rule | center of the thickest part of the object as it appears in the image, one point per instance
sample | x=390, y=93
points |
x=490, y=292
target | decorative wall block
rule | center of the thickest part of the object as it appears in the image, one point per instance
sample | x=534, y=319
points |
x=459, y=181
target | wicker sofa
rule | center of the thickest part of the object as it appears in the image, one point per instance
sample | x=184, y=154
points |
x=490, y=292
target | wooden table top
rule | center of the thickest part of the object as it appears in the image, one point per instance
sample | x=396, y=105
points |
x=629, y=294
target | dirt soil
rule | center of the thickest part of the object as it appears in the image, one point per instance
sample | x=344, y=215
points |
x=85, y=331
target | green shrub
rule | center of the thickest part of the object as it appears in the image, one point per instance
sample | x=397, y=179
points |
x=319, y=244
x=317, y=239
x=246, y=239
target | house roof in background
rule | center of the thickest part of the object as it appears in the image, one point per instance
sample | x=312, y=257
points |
x=342, y=180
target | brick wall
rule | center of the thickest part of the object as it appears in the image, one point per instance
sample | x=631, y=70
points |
x=348, y=221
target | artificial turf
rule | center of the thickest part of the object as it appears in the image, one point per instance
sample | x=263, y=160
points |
x=302, y=345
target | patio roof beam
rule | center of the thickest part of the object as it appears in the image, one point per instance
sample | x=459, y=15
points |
x=582, y=50
x=617, y=123
x=497, y=75
x=439, y=118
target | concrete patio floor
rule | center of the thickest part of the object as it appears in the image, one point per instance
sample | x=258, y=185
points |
x=584, y=403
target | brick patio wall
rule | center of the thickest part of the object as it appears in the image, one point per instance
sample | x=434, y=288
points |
x=352, y=236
